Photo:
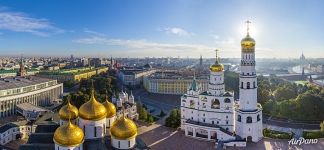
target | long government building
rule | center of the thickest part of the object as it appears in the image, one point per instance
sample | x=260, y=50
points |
x=30, y=89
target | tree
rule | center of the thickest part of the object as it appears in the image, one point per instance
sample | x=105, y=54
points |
x=150, y=119
x=174, y=119
x=322, y=126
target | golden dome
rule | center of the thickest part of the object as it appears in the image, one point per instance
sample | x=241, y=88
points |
x=111, y=109
x=217, y=67
x=123, y=128
x=68, y=112
x=248, y=44
x=68, y=135
x=92, y=110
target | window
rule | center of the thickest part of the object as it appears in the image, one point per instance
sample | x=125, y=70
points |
x=118, y=144
x=241, y=85
x=249, y=119
x=203, y=120
x=217, y=122
x=227, y=100
x=248, y=85
x=226, y=122
x=254, y=84
x=212, y=122
x=226, y=117
x=258, y=118
x=215, y=104
x=239, y=118
x=128, y=143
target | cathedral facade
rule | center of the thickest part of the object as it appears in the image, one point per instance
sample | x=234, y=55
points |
x=215, y=115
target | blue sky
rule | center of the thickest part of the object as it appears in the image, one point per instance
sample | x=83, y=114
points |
x=160, y=28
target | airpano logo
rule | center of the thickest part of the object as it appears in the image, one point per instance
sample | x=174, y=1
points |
x=301, y=141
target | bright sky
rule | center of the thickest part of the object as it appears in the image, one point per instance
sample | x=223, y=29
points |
x=160, y=28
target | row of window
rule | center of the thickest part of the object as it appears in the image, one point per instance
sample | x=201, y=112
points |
x=248, y=86
x=248, y=119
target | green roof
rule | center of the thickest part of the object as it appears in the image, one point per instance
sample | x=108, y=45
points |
x=2, y=71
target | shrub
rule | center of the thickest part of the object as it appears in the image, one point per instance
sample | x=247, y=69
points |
x=313, y=134
x=276, y=134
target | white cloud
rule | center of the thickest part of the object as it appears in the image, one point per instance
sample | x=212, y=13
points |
x=20, y=22
x=86, y=30
x=140, y=44
x=177, y=31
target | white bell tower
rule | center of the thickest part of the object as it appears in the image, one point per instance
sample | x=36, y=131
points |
x=248, y=117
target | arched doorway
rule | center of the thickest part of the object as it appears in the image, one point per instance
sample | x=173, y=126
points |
x=249, y=139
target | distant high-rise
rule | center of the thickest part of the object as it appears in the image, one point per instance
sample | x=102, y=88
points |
x=21, y=72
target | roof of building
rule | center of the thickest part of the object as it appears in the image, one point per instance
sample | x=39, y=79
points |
x=31, y=107
x=18, y=82
x=71, y=71
x=48, y=118
x=10, y=125
x=2, y=71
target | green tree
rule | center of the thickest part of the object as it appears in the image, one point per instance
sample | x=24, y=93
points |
x=322, y=126
x=174, y=119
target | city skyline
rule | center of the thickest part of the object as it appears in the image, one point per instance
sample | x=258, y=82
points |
x=160, y=29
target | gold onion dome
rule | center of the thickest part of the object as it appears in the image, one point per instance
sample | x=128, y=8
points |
x=216, y=67
x=92, y=110
x=68, y=112
x=248, y=42
x=123, y=128
x=68, y=135
x=110, y=107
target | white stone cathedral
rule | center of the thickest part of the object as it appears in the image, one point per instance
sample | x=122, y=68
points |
x=214, y=115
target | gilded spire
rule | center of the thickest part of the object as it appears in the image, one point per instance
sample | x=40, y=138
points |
x=217, y=67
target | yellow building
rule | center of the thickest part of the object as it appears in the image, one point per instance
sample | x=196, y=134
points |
x=75, y=74
x=171, y=83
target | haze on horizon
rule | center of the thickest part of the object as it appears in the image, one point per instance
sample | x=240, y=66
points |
x=161, y=28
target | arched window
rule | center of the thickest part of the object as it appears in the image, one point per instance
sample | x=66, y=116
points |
x=248, y=85
x=249, y=119
x=215, y=104
x=239, y=118
x=241, y=85
x=192, y=103
x=227, y=100
x=254, y=84
x=258, y=117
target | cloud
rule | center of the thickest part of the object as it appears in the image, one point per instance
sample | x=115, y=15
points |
x=139, y=44
x=20, y=22
x=86, y=30
x=177, y=31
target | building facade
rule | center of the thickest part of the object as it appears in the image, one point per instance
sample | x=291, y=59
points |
x=34, y=90
x=171, y=84
x=214, y=115
x=73, y=74
x=134, y=77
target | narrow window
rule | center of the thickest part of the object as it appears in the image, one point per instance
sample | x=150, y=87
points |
x=118, y=144
x=128, y=143
x=241, y=85
x=95, y=131
x=248, y=85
